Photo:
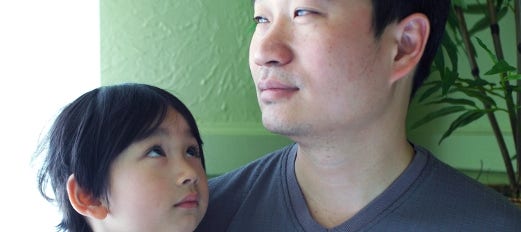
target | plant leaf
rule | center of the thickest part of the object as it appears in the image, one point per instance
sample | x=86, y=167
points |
x=451, y=49
x=501, y=13
x=475, y=83
x=475, y=9
x=461, y=121
x=454, y=101
x=483, y=97
x=452, y=20
x=460, y=3
x=448, y=80
x=484, y=23
x=489, y=52
x=437, y=114
x=430, y=91
x=480, y=25
x=500, y=67
x=513, y=77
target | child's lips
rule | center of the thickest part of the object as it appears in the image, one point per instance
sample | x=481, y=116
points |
x=188, y=202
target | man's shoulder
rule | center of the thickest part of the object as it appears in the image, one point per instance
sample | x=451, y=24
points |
x=445, y=190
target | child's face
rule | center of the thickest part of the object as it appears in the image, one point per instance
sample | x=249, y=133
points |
x=158, y=183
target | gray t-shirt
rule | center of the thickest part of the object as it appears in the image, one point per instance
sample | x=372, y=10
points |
x=428, y=196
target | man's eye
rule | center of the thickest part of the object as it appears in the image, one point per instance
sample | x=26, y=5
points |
x=260, y=19
x=302, y=12
x=156, y=151
x=193, y=152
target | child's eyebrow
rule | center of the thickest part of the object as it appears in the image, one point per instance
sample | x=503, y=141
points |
x=163, y=132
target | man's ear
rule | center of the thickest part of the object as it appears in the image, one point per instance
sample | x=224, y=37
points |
x=83, y=202
x=412, y=34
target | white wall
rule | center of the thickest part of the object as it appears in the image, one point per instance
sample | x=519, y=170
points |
x=49, y=55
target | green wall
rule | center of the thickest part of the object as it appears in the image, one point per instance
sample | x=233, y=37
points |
x=198, y=50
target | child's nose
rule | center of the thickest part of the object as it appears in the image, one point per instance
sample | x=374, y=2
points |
x=187, y=175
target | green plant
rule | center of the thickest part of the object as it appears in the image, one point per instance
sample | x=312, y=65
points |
x=474, y=95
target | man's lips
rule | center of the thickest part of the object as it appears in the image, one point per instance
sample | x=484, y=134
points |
x=190, y=201
x=272, y=90
x=274, y=85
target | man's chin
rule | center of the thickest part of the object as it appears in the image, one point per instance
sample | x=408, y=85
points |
x=284, y=128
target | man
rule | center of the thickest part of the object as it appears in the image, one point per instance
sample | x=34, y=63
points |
x=336, y=77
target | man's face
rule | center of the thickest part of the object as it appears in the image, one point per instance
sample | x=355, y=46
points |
x=317, y=66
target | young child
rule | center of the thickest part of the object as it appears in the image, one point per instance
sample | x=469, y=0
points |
x=126, y=158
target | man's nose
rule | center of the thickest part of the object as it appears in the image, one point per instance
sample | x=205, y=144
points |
x=271, y=46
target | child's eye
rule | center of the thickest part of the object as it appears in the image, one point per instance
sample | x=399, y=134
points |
x=260, y=19
x=156, y=151
x=193, y=152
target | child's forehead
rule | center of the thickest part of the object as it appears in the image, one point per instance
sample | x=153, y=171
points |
x=172, y=124
x=175, y=122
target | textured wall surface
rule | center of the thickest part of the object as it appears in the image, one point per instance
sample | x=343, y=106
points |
x=196, y=49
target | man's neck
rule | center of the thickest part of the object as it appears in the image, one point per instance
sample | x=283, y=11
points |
x=353, y=175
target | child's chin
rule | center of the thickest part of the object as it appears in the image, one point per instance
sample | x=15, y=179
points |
x=187, y=224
